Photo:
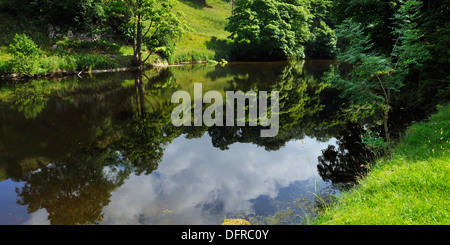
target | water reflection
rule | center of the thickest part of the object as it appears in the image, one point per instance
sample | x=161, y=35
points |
x=103, y=150
x=345, y=162
x=199, y=185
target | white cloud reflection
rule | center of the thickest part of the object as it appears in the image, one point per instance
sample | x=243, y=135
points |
x=39, y=217
x=193, y=175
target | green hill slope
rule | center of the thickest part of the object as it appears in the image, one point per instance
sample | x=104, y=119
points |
x=206, y=38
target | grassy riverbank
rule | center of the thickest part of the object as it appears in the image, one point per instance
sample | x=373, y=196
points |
x=411, y=186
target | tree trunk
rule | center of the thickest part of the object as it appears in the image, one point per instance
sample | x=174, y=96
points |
x=385, y=122
x=140, y=97
x=137, y=42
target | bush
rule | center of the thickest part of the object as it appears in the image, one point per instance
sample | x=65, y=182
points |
x=24, y=48
x=3, y=67
x=45, y=64
x=26, y=67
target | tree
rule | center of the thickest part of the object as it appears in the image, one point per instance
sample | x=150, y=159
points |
x=322, y=44
x=268, y=29
x=323, y=40
x=82, y=14
x=375, y=77
x=154, y=26
x=374, y=15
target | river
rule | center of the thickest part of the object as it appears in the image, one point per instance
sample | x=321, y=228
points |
x=102, y=149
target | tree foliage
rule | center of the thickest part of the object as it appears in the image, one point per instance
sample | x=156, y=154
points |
x=374, y=15
x=154, y=25
x=83, y=14
x=268, y=29
x=322, y=43
x=375, y=76
x=24, y=48
x=25, y=53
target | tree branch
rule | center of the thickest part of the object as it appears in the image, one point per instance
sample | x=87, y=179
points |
x=151, y=52
x=151, y=23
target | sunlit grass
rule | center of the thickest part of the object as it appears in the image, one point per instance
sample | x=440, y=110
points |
x=4, y=56
x=412, y=186
x=206, y=37
x=208, y=20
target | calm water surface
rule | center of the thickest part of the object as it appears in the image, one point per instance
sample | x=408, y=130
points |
x=102, y=149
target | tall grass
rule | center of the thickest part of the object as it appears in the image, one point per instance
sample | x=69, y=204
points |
x=51, y=64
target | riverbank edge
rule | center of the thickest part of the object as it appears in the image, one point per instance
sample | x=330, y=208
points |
x=411, y=186
x=18, y=77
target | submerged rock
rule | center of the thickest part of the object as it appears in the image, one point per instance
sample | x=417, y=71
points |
x=236, y=222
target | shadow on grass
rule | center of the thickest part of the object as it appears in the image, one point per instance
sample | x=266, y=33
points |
x=221, y=47
x=196, y=4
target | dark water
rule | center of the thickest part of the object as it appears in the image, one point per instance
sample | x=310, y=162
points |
x=102, y=149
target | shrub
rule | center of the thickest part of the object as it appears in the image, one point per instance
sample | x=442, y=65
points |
x=26, y=67
x=24, y=48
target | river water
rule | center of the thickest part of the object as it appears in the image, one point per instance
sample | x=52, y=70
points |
x=102, y=149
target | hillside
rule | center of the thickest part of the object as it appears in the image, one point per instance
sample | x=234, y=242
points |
x=206, y=38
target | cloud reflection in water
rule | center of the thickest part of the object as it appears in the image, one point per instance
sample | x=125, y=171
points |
x=198, y=184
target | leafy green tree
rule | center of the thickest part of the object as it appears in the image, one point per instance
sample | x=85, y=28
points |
x=82, y=14
x=268, y=29
x=375, y=77
x=376, y=16
x=434, y=24
x=118, y=18
x=323, y=40
x=322, y=44
x=321, y=11
x=154, y=26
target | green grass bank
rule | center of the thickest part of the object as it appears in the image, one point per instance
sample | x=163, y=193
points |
x=411, y=186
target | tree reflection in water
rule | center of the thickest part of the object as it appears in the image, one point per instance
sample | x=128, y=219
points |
x=127, y=128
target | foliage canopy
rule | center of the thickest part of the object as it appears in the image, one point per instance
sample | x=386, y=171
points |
x=268, y=29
